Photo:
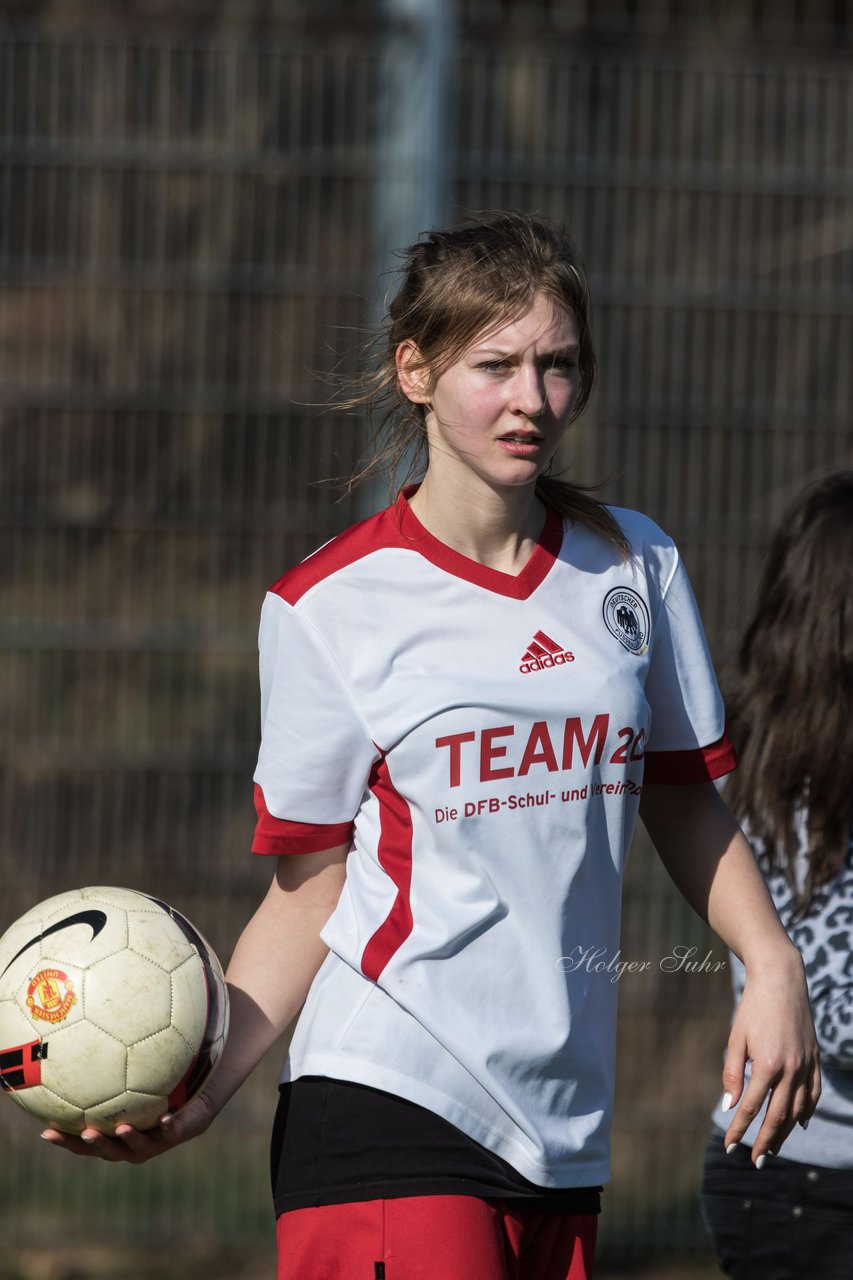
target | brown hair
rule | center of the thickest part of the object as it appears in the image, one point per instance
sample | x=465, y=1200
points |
x=791, y=707
x=455, y=285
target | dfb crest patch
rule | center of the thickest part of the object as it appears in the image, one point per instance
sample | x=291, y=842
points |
x=627, y=618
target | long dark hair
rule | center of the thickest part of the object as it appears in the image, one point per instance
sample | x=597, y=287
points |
x=455, y=285
x=791, y=704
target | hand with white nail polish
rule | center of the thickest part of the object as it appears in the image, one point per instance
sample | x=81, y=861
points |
x=773, y=1032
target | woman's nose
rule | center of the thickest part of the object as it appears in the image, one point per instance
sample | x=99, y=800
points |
x=529, y=392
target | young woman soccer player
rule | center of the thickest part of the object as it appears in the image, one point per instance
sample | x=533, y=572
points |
x=465, y=701
x=792, y=721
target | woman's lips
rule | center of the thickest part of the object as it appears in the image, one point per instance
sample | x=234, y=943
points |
x=521, y=446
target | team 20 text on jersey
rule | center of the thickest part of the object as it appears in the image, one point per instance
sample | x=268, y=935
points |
x=539, y=748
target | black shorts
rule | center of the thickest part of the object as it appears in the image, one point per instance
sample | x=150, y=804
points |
x=336, y=1142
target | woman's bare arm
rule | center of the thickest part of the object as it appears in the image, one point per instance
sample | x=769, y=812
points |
x=274, y=963
x=707, y=856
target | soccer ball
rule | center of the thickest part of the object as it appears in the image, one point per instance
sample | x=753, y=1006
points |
x=112, y=1008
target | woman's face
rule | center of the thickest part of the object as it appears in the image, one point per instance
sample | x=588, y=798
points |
x=500, y=410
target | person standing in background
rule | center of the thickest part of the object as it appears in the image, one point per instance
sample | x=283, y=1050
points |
x=791, y=721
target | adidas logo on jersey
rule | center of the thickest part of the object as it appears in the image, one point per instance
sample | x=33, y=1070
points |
x=543, y=652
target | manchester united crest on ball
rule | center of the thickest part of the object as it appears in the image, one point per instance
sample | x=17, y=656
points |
x=627, y=618
x=50, y=996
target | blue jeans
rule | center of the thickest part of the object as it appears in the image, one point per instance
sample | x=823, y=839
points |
x=787, y=1221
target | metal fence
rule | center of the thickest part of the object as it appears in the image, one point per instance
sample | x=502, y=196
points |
x=191, y=230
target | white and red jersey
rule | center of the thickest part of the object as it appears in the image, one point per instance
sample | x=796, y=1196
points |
x=482, y=740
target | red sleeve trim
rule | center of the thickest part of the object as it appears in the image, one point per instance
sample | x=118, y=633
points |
x=280, y=835
x=679, y=768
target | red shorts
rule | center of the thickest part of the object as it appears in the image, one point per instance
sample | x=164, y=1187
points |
x=425, y=1237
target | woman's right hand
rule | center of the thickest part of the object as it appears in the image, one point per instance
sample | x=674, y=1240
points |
x=134, y=1146
x=283, y=938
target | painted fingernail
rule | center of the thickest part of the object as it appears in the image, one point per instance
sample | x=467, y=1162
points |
x=727, y=1102
x=730, y=1148
x=806, y=1123
x=759, y=1164
x=85, y=1139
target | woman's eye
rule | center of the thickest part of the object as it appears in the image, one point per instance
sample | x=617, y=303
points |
x=564, y=364
x=493, y=366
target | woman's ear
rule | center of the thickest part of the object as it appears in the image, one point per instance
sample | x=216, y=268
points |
x=412, y=374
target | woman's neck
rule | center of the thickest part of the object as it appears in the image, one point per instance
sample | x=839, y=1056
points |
x=496, y=528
